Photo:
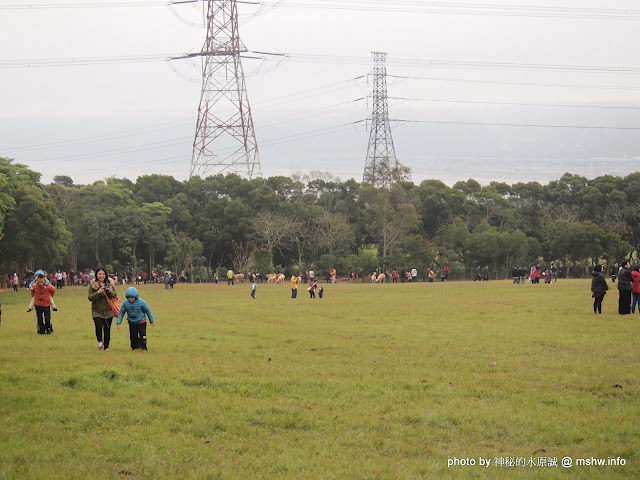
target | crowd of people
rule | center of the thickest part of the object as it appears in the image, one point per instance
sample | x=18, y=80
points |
x=102, y=292
x=104, y=306
x=520, y=274
x=628, y=279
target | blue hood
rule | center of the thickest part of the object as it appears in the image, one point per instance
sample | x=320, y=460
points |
x=131, y=292
x=39, y=272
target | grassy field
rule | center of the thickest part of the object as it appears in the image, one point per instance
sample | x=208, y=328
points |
x=372, y=381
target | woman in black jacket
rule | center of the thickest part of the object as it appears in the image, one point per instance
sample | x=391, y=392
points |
x=625, y=279
x=599, y=288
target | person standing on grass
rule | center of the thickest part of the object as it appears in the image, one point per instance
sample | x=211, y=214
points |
x=254, y=287
x=137, y=312
x=599, y=288
x=312, y=289
x=101, y=311
x=294, y=286
x=635, y=288
x=625, y=280
x=523, y=274
x=515, y=273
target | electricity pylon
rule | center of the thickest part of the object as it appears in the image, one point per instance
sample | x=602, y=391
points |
x=381, y=166
x=225, y=139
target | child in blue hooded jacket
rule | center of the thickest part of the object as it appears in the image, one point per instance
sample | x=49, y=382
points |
x=137, y=312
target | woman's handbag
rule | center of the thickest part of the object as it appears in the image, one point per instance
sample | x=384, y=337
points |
x=114, y=303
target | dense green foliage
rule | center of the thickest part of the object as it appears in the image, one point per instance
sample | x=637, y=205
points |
x=371, y=382
x=286, y=224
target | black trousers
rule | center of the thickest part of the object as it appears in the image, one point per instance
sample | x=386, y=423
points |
x=43, y=315
x=624, y=303
x=103, y=325
x=597, y=303
x=138, y=335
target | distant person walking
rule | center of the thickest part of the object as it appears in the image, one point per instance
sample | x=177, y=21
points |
x=523, y=274
x=515, y=273
x=294, y=286
x=478, y=276
x=599, y=288
x=625, y=280
x=229, y=277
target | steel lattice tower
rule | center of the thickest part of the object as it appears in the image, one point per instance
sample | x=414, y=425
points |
x=381, y=156
x=225, y=138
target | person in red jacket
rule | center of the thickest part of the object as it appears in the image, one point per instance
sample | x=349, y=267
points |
x=42, y=294
x=635, y=288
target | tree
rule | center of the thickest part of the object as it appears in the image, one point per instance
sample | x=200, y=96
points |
x=156, y=188
x=382, y=174
x=34, y=233
x=184, y=253
x=7, y=203
x=241, y=254
x=30, y=227
x=439, y=204
x=261, y=260
x=391, y=216
x=573, y=243
x=333, y=234
x=63, y=180
x=156, y=234
x=274, y=231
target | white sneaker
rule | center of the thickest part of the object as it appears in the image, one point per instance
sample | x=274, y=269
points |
x=100, y=345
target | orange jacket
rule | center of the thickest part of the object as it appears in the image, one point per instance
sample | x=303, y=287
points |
x=42, y=295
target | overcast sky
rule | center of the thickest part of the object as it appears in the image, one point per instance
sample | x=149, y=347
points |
x=476, y=90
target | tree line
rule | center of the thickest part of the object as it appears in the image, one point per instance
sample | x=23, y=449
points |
x=289, y=224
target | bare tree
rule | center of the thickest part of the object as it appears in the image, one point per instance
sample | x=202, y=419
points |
x=615, y=218
x=334, y=234
x=241, y=255
x=273, y=230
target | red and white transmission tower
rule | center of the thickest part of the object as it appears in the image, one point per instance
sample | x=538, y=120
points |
x=225, y=139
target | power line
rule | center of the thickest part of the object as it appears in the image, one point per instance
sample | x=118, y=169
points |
x=81, y=61
x=265, y=104
x=430, y=63
x=625, y=107
x=441, y=8
x=469, y=9
x=326, y=59
x=39, y=6
x=535, y=84
x=589, y=127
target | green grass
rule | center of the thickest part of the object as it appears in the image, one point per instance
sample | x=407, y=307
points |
x=372, y=381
